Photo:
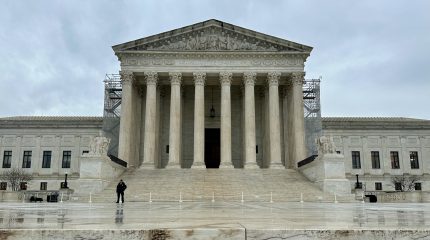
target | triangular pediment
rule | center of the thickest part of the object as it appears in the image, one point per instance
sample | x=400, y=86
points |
x=212, y=35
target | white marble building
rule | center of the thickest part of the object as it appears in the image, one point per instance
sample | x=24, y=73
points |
x=211, y=95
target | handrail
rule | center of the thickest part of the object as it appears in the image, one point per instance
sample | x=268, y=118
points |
x=117, y=160
x=307, y=160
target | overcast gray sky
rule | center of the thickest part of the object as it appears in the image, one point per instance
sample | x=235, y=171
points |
x=373, y=56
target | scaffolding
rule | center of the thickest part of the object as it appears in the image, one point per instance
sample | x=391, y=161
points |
x=312, y=112
x=112, y=112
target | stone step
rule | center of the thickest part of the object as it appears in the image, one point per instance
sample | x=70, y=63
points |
x=280, y=185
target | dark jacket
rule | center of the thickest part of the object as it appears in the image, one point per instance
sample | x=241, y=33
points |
x=121, y=187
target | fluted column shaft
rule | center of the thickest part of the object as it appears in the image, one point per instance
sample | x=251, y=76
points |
x=274, y=125
x=175, y=121
x=225, y=80
x=297, y=148
x=250, y=154
x=125, y=137
x=199, y=119
x=149, y=153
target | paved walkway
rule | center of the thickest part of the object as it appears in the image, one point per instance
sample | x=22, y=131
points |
x=249, y=217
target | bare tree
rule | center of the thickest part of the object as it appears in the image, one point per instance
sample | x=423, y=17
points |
x=15, y=176
x=407, y=183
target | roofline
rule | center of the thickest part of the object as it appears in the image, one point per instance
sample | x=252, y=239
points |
x=210, y=22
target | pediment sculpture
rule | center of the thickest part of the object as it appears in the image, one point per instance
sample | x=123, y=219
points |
x=212, y=38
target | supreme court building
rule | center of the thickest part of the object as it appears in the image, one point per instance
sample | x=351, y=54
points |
x=212, y=95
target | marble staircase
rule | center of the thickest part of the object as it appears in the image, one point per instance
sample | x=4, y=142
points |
x=257, y=185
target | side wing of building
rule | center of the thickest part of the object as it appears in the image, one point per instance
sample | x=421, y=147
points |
x=381, y=149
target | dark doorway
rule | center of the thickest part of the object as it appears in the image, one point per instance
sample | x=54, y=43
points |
x=212, y=147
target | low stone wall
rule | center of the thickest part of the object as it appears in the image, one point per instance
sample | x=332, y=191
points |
x=401, y=197
x=10, y=196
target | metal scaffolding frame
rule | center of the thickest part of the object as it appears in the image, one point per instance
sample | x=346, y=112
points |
x=312, y=112
x=112, y=112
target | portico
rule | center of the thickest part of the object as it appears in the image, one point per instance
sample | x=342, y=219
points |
x=212, y=75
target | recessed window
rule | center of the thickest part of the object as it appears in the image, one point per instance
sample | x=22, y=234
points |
x=378, y=186
x=43, y=186
x=395, y=163
x=85, y=151
x=356, y=164
x=7, y=159
x=413, y=155
x=46, y=161
x=3, y=185
x=375, y=160
x=26, y=160
x=23, y=185
x=67, y=156
x=338, y=152
x=398, y=186
x=417, y=186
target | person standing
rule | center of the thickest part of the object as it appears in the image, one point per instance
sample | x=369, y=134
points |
x=120, y=188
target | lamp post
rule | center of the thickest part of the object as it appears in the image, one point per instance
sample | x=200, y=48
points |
x=65, y=180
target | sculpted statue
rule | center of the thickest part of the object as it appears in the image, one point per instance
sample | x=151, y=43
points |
x=325, y=145
x=99, y=145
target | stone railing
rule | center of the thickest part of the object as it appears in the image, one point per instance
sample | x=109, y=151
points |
x=307, y=160
x=117, y=160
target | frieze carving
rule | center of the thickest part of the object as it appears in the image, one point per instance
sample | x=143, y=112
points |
x=225, y=78
x=127, y=77
x=151, y=78
x=273, y=78
x=249, y=78
x=199, y=78
x=175, y=78
x=212, y=38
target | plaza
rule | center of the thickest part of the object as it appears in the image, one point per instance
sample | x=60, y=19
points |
x=214, y=220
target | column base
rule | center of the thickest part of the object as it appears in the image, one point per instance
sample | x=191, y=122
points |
x=198, y=165
x=173, y=166
x=251, y=166
x=226, y=165
x=276, y=166
x=147, y=166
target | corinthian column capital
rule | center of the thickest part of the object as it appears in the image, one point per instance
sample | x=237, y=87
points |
x=127, y=77
x=249, y=78
x=273, y=78
x=199, y=78
x=297, y=78
x=225, y=78
x=175, y=78
x=151, y=78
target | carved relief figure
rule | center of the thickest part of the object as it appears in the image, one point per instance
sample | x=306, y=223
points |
x=99, y=145
x=325, y=145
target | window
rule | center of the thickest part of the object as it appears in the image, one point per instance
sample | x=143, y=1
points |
x=67, y=155
x=395, y=163
x=375, y=160
x=356, y=164
x=23, y=186
x=46, y=161
x=7, y=159
x=378, y=186
x=338, y=152
x=413, y=155
x=43, y=186
x=85, y=151
x=26, y=160
x=3, y=185
x=417, y=186
x=398, y=186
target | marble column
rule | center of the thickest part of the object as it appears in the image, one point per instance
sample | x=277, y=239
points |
x=296, y=138
x=150, y=117
x=250, y=154
x=125, y=145
x=274, y=125
x=225, y=80
x=199, y=120
x=175, y=121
